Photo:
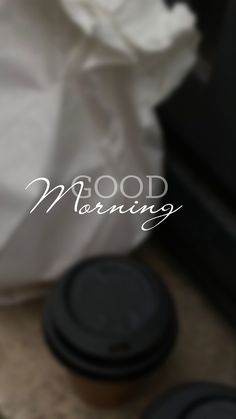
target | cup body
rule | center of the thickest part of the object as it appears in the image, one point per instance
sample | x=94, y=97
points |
x=107, y=394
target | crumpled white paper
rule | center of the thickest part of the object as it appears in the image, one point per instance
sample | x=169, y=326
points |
x=78, y=80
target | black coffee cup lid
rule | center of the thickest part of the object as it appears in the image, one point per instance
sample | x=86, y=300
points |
x=110, y=318
x=195, y=401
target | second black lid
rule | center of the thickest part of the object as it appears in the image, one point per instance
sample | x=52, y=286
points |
x=196, y=401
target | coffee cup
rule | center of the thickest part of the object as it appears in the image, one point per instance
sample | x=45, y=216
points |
x=195, y=401
x=111, y=322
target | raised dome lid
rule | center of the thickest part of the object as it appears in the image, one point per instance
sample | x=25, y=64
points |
x=110, y=313
x=196, y=401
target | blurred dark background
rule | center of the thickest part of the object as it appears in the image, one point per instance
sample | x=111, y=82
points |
x=200, y=127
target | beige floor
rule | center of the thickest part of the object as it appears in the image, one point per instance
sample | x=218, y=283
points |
x=33, y=386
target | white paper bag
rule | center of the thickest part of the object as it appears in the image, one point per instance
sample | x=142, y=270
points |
x=78, y=80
